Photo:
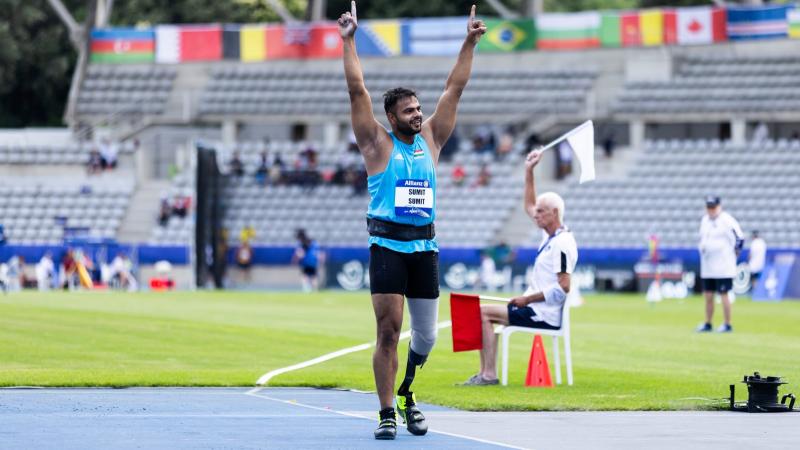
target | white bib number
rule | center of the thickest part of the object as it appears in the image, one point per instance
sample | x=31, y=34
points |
x=413, y=198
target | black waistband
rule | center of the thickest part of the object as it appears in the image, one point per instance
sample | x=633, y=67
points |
x=399, y=231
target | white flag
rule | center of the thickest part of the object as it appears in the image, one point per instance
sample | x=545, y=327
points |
x=581, y=140
x=168, y=44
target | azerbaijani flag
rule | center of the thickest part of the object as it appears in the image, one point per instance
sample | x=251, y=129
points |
x=123, y=45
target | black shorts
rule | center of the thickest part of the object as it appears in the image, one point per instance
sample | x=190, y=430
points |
x=415, y=275
x=523, y=317
x=721, y=285
x=310, y=271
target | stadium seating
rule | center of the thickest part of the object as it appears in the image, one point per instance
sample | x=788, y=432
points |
x=110, y=91
x=467, y=215
x=67, y=154
x=261, y=91
x=41, y=211
x=718, y=84
x=663, y=194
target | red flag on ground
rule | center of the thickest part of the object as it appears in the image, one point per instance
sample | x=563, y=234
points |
x=465, y=314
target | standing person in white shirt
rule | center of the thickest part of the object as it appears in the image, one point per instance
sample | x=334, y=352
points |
x=542, y=303
x=757, y=258
x=721, y=241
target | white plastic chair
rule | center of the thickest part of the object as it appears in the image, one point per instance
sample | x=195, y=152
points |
x=561, y=332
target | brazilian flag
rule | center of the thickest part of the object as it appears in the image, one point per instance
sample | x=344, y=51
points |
x=508, y=36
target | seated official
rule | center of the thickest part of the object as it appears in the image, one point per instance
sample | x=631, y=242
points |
x=542, y=304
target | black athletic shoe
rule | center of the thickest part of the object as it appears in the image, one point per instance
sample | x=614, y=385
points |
x=387, y=427
x=412, y=416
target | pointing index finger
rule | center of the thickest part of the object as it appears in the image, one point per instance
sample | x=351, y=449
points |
x=472, y=14
x=353, y=9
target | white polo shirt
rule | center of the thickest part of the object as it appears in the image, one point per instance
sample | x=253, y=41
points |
x=558, y=254
x=718, y=246
x=758, y=255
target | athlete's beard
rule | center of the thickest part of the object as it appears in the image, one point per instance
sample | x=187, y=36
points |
x=407, y=129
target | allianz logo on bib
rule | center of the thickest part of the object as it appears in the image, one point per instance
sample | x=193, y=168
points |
x=413, y=183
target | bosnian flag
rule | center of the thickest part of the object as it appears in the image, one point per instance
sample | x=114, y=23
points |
x=757, y=22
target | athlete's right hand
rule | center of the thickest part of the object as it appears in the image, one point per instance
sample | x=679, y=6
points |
x=348, y=22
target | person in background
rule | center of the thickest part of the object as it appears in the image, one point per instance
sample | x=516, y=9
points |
x=307, y=255
x=506, y=144
x=458, y=175
x=165, y=210
x=484, y=176
x=69, y=268
x=244, y=254
x=608, y=145
x=45, y=272
x=276, y=170
x=14, y=275
x=760, y=133
x=757, y=258
x=542, y=304
x=122, y=272
x=95, y=164
x=236, y=165
x=721, y=240
x=262, y=172
x=488, y=271
x=564, y=157
x=108, y=153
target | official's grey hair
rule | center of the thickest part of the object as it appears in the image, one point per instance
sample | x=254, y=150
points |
x=554, y=201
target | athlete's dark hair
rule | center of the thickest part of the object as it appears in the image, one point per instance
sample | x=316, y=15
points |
x=392, y=96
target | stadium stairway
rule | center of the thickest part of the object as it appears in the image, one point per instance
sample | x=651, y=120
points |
x=142, y=212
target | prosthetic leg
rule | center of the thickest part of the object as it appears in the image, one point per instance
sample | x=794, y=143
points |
x=423, y=314
x=406, y=402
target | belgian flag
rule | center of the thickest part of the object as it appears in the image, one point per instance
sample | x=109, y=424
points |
x=246, y=43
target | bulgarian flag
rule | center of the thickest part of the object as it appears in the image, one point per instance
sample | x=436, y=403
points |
x=122, y=45
x=560, y=31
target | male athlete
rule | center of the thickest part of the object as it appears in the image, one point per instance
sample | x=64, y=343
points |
x=404, y=260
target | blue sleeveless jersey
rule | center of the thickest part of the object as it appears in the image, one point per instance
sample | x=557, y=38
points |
x=405, y=193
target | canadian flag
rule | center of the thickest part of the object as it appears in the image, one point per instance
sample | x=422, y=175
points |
x=693, y=26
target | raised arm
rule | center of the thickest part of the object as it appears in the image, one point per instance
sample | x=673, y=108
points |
x=370, y=135
x=440, y=124
x=529, y=201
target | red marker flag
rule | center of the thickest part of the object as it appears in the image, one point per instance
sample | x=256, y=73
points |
x=465, y=314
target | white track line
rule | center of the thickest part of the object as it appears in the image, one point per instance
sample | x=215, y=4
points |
x=264, y=379
x=255, y=392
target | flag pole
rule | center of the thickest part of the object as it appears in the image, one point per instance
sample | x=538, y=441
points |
x=566, y=135
x=494, y=299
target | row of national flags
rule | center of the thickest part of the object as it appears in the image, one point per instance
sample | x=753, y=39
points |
x=444, y=35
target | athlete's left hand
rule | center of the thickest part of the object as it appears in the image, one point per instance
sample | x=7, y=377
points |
x=475, y=28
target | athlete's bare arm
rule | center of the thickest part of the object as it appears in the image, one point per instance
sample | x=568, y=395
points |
x=372, y=139
x=529, y=199
x=440, y=124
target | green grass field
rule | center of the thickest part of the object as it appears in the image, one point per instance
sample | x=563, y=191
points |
x=627, y=355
